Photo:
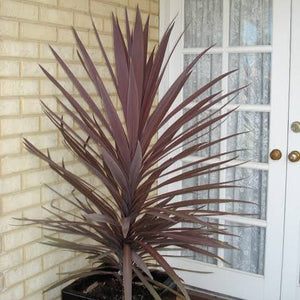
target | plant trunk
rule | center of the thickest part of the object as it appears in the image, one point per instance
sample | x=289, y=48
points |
x=127, y=272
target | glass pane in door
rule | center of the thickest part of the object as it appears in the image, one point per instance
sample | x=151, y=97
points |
x=254, y=188
x=206, y=69
x=250, y=22
x=254, y=69
x=234, y=28
x=203, y=23
x=256, y=138
x=250, y=256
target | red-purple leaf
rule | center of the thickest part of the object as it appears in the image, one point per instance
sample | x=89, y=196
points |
x=141, y=264
x=125, y=224
x=166, y=267
x=133, y=110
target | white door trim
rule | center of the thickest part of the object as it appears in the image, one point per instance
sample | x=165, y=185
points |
x=291, y=258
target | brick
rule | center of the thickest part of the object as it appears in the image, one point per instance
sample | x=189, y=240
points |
x=52, y=259
x=152, y=44
x=21, y=125
x=144, y=16
x=67, y=206
x=103, y=9
x=36, y=296
x=9, y=28
x=78, y=169
x=21, y=237
x=154, y=7
x=35, y=250
x=77, y=69
x=32, y=69
x=9, y=68
x=69, y=237
x=62, y=188
x=117, y=2
x=16, y=292
x=82, y=5
x=14, y=202
x=74, y=264
x=56, y=16
x=143, y=4
x=46, y=2
x=81, y=133
x=11, y=165
x=20, y=10
x=153, y=34
x=154, y=21
x=58, y=155
x=15, y=87
x=37, y=32
x=67, y=118
x=46, y=124
x=96, y=54
x=84, y=21
x=37, y=178
x=10, y=184
x=9, y=107
x=65, y=52
x=18, y=49
x=66, y=36
x=11, y=259
x=49, y=89
x=106, y=39
x=110, y=88
x=6, y=223
x=33, y=106
x=89, y=87
x=23, y=272
x=44, y=141
x=121, y=15
x=107, y=26
x=35, y=211
x=10, y=146
x=54, y=294
x=81, y=102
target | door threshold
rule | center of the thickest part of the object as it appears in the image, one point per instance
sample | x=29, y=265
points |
x=202, y=294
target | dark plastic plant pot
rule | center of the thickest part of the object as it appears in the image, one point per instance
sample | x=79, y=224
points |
x=74, y=291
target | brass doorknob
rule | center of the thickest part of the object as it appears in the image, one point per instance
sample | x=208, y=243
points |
x=275, y=154
x=294, y=156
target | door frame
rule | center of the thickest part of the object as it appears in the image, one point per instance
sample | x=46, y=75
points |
x=269, y=287
x=291, y=254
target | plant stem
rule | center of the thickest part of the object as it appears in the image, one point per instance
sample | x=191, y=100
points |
x=127, y=272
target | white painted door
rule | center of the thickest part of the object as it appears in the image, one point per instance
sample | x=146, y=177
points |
x=253, y=36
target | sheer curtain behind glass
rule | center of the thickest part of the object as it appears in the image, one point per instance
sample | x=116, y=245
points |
x=250, y=24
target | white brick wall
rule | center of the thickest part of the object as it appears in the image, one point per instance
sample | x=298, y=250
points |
x=19, y=125
x=26, y=29
x=19, y=10
x=19, y=49
x=37, y=32
x=13, y=202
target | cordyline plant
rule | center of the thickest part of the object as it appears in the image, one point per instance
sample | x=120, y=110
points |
x=131, y=227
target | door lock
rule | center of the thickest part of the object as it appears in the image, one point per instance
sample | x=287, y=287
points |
x=275, y=154
x=295, y=126
x=294, y=156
